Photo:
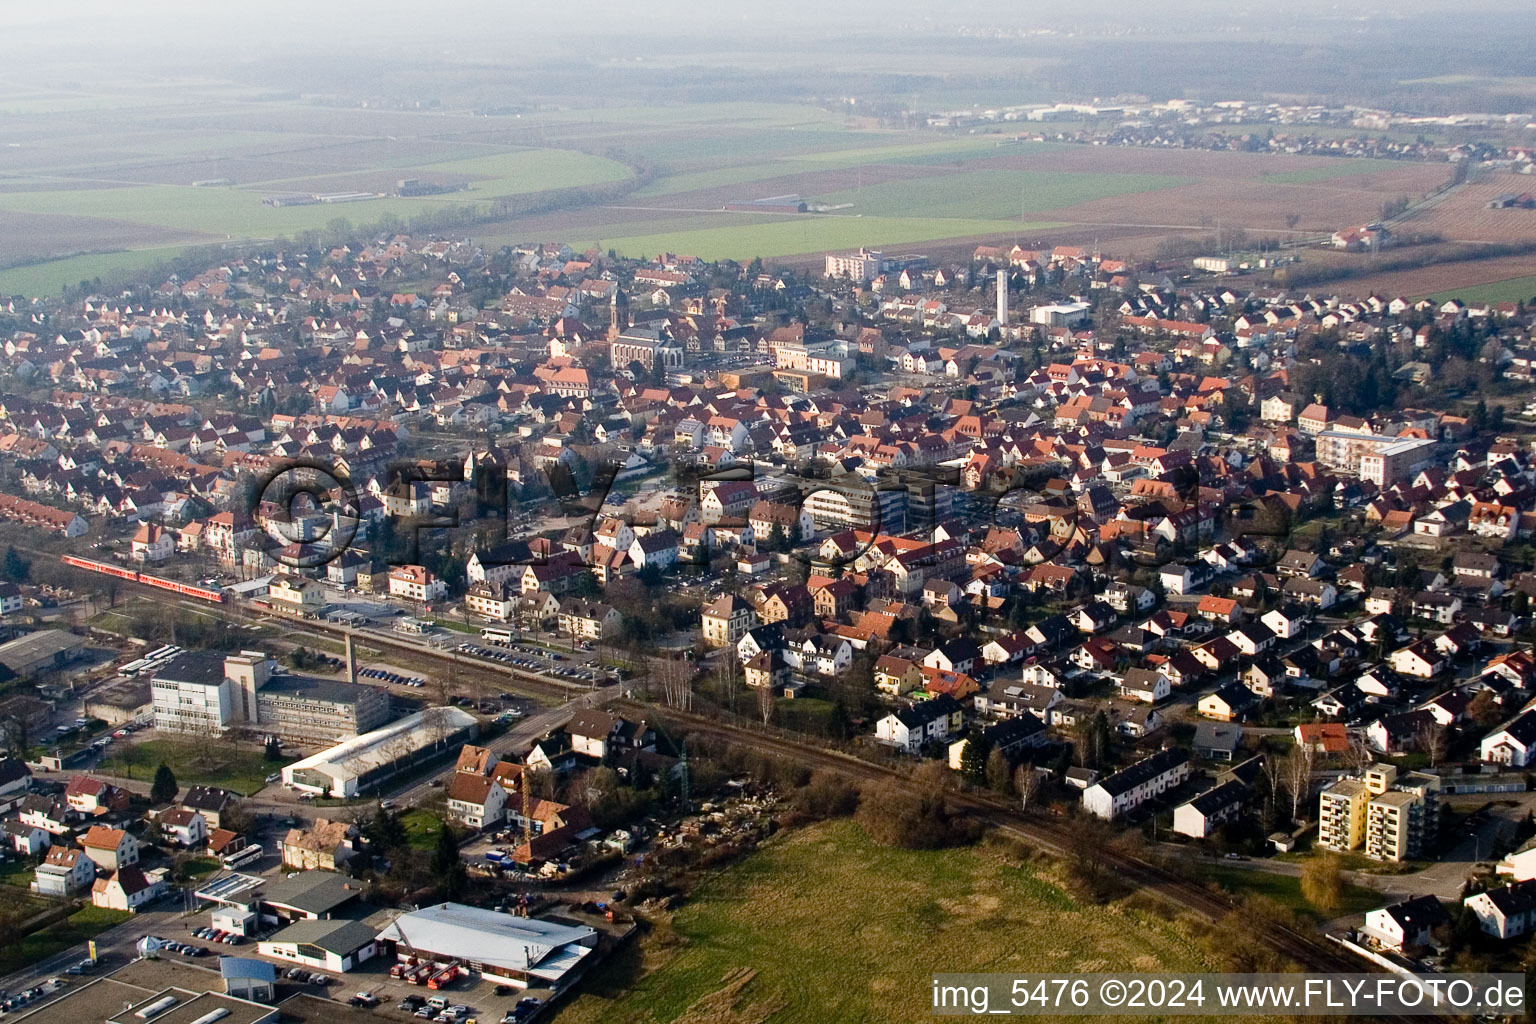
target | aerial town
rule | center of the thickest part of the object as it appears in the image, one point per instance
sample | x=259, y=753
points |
x=428, y=619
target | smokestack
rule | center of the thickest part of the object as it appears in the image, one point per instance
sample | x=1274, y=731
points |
x=1002, y=297
x=351, y=661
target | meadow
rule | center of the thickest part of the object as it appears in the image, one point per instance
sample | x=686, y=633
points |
x=994, y=194
x=823, y=925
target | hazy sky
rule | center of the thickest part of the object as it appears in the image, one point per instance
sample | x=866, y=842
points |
x=342, y=45
x=238, y=29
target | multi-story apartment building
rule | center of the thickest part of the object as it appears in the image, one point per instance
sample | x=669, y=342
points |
x=1394, y=818
x=1382, y=460
x=864, y=265
x=726, y=620
x=1131, y=787
x=1342, y=814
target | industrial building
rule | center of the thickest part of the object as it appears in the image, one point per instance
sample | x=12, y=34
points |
x=356, y=765
x=519, y=951
x=206, y=692
x=43, y=651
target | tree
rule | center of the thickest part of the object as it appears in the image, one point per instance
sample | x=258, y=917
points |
x=999, y=771
x=973, y=760
x=765, y=703
x=447, y=868
x=273, y=750
x=1086, y=856
x=1433, y=739
x=1484, y=709
x=1027, y=782
x=1322, y=883
x=164, y=789
x=15, y=569
x=1297, y=772
x=1092, y=741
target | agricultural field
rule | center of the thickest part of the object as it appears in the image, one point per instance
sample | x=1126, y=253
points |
x=1463, y=216
x=1500, y=279
x=823, y=925
x=1513, y=289
x=92, y=187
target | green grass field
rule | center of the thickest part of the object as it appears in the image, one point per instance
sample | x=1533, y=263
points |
x=993, y=194
x=1286, y=890
x=51, y=276
x=241, y=212
x=194, y=763
x=421, y=828
x=1512, y=289
x=838, y=929
x=791, y=236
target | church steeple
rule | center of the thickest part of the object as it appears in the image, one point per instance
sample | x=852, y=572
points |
x=618, y=309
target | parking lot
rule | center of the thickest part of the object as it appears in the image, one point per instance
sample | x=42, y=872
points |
x=537, y=659
x=484, y=1001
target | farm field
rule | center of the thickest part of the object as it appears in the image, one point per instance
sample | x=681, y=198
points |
x=1490, y=279
x=1464, y=216
x=788, y=236
x=1514, y=289
x=240, y=211
x=823, y=925
x=50, y=276
x=91, y=188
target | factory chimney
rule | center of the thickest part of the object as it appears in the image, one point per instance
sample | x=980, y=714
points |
x=1002, y=297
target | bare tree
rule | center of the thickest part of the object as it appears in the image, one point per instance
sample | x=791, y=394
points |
x=1297, y=772
x=728, y=674
x=765, y=700
x=1027, y=781
x=1432, y=739
x=1358, y=755
x=676, y=683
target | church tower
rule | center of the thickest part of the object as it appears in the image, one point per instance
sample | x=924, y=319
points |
x=618, y=315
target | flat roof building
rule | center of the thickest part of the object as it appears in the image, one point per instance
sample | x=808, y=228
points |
x=204, y=691
x=42, y=651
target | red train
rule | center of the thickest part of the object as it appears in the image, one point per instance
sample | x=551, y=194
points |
x=123, y=572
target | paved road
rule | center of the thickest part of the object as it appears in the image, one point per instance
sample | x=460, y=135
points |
x=114, y=947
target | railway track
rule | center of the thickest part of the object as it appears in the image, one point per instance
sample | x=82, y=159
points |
x=467, y=668
x=1307, y=951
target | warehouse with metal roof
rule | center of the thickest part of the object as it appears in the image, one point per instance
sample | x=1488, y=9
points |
x=356, y=765
x=521, y=951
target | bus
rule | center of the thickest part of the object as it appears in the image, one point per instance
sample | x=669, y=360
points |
x=499, y=637
x=241, y=857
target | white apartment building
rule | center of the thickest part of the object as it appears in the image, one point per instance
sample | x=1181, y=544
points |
x=1131, y=787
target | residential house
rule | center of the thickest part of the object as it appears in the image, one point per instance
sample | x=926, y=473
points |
x=1131, y=787
x=931, y=721
x=127, y=888
x=111, y=848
